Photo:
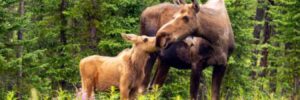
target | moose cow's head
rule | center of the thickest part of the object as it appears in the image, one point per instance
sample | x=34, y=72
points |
x=184, y=23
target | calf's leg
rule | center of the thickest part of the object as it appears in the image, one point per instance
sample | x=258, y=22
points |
x=125, y=87
x=88, y=89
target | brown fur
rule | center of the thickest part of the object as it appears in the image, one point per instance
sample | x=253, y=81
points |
x=209, y=21
x=124, y=71
x=156, y=16
x=152, y=19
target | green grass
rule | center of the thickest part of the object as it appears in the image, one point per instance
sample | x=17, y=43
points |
x=155, y=94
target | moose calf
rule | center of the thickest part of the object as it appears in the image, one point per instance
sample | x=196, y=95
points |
x=125, y=71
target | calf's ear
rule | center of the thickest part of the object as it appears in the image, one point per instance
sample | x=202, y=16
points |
x=179, y=2
x=129, y=37
x=196, y=6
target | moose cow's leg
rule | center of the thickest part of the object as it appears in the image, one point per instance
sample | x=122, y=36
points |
x=202, y=88
x=160, y=74
x=147, y=72
x=195, y=80
x=217, y=77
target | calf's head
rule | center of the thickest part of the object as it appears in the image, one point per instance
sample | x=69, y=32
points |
x=184, y=23
x=143, y=43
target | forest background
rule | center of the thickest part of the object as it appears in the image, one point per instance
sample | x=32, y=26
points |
x=42, y=42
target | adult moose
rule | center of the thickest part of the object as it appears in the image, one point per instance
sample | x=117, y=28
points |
x=211, y=22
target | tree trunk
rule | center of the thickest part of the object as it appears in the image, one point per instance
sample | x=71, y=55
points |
x=296, y=77
x=267, y=33
x=21, y=11
x=63, y=37
x=297, y=87
x=63, y=20
x=92, y=25
x=260, y=13
x=268, y=30
x=296, y=84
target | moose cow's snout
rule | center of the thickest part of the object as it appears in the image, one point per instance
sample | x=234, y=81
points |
x=162, y=39
x=157, y=42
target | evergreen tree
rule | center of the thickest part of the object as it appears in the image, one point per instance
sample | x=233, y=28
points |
x=42, y=42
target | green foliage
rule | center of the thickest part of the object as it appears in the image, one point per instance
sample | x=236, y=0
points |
x=237, y=76
x=51, y=66
x=180, y=84
x=10, y=95
x=285, y=52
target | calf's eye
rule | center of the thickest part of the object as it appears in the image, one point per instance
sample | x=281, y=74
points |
x=145, y=39
x=185, y=19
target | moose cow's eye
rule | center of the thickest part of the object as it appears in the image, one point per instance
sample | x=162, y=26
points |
x=145, y=39
x=185, y=19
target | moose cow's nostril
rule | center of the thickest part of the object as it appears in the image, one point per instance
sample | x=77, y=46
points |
x=157, y=42
x=167, y=42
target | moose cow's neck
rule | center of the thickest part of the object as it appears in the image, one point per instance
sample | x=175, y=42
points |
x=215, y=25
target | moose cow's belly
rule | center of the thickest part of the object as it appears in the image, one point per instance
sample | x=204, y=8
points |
x=177, y=56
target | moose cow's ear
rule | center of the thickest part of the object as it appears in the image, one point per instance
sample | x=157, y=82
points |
x=196, y=6
x=129, y=37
